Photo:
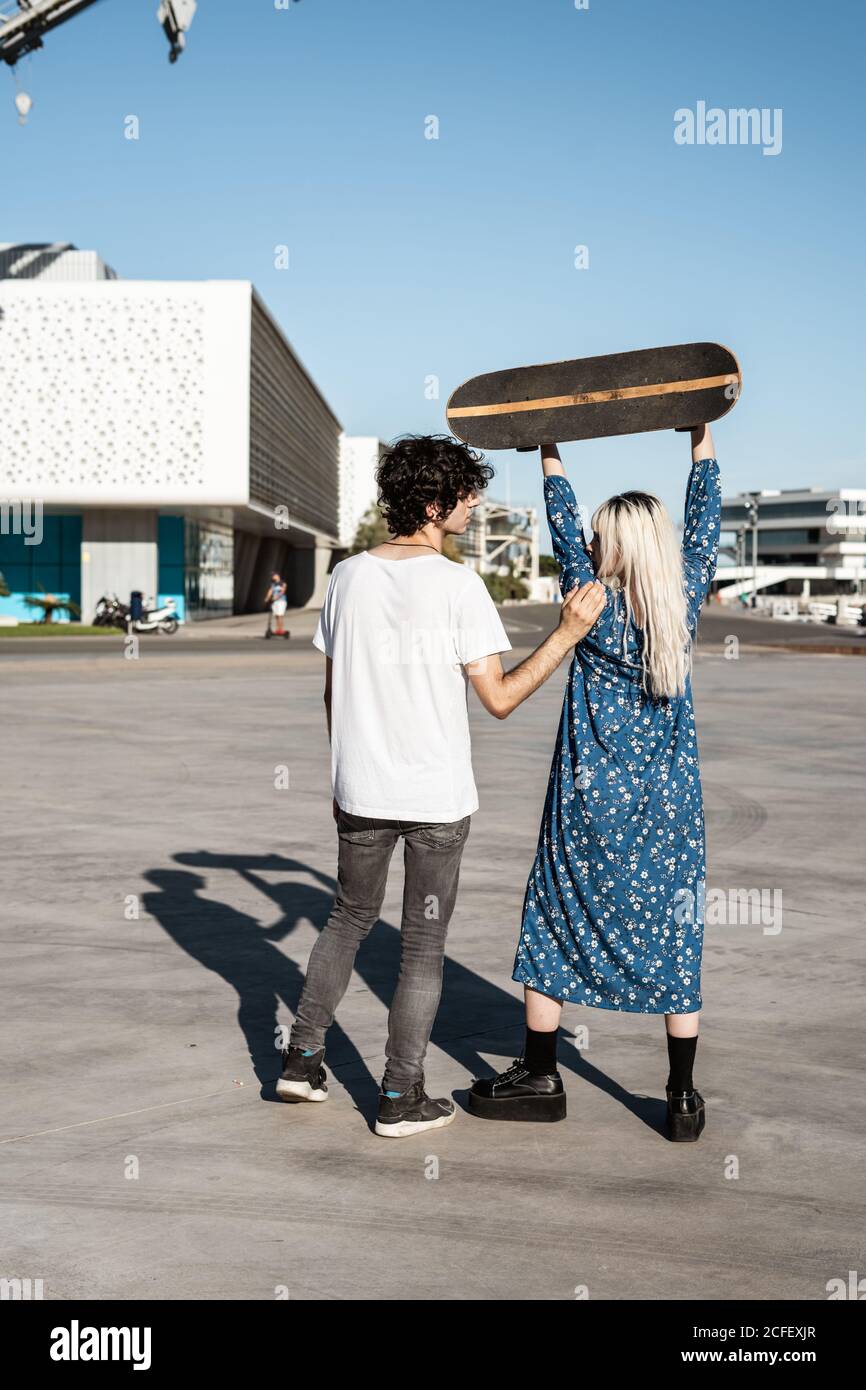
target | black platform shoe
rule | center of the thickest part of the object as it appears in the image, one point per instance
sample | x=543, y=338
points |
x=686, y=1115
x=516, y=1094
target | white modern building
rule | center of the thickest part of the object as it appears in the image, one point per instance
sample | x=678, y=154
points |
x=799, y=541
x=58, y=260
x=503, y=539
x=170, y=436
x=360, y=456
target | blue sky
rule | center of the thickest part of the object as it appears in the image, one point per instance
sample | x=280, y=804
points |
x=412, y=257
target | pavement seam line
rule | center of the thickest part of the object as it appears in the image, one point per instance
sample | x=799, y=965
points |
x=122, y=1115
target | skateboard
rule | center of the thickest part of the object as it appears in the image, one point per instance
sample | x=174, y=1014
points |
x=660, y=388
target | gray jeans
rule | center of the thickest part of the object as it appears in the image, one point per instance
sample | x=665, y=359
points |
x=432, y=866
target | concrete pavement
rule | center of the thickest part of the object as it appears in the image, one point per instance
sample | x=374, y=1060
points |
x=718, y=625
x=161, y=899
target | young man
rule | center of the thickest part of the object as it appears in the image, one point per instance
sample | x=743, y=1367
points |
x=404, y=629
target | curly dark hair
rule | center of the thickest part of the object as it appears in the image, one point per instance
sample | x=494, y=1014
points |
x=421, y=469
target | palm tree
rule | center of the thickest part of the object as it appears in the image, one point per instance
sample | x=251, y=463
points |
x=51, y=604
x=4, y=588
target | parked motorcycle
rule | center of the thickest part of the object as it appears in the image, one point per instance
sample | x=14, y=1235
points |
x=110, y=612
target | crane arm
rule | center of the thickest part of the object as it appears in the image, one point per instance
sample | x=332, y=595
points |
x=24, y=22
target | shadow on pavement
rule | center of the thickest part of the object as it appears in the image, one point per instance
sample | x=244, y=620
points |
x=474, y=1013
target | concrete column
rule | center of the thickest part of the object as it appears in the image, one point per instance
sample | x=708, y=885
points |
x=324, y=555
x=118, y=554
x=306, y=573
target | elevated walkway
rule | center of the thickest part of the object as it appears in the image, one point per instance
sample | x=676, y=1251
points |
x=736, y=580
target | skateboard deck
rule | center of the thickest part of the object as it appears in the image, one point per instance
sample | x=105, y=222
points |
x=624, y=393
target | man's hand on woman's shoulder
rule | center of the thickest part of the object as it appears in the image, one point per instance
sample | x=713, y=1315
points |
x=581, y=609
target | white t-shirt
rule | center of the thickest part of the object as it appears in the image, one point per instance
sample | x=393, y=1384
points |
x=399, y=633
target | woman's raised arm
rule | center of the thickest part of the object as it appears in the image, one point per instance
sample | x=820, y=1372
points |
x=702, y=443
x=565, y=522
x=702, y=520
x=551, y=463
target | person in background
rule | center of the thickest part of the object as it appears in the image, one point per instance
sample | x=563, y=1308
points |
x=275, y=597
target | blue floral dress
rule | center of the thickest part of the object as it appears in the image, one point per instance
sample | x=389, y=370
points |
x=613, y=909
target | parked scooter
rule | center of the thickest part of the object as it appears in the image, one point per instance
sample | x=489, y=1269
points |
x=163, y=619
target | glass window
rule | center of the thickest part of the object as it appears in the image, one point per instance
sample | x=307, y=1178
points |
x=209, y=564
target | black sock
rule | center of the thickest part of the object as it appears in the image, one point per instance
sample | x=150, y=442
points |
x=540, y=1052
x=681, y=1055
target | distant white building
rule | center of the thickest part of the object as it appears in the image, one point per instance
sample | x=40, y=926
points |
x=359, y=459
x=168, y=432
x=58, y=260
x=798, y=541
x=503, y=539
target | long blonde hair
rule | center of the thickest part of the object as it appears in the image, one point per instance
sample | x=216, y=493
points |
x=638, y=552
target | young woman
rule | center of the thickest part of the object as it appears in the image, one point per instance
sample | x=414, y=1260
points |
x=613, y=914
